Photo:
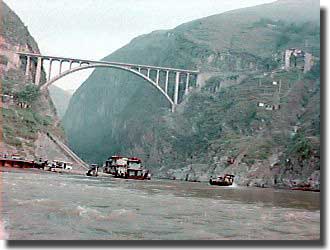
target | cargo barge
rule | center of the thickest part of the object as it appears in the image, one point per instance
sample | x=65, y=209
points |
x=126, y=168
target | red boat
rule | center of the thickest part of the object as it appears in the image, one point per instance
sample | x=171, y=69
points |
x=305, y=187
x=226, y=180
x=127, y=168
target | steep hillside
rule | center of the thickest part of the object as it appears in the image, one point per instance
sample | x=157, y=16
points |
x=114, y=112
x=26, y=114
x=60, y=98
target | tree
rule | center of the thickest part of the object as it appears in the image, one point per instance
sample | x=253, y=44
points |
x=28, y=94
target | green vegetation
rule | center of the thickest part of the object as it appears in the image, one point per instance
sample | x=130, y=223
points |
x=315, y=72
x=260, y=152
x=28, y=94
x=23, y=123
x=300, y=146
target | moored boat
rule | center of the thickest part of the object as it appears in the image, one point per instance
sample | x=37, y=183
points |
x=306, y=189
x=226, y=180
x=93, y=171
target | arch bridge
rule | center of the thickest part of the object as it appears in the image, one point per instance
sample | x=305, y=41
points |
x=159, y=77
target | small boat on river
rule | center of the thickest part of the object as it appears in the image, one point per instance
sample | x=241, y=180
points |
x=226, y=180
x=93, y=171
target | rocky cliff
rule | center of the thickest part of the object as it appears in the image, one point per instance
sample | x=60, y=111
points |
x=60, y=98
x=26, y=114
x=251, y=118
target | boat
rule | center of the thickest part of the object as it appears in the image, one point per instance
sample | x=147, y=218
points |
x=226, y=180
x=127, y=168
x=93, y=171
x=305, y=187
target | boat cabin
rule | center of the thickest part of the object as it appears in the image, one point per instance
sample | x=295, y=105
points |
x=61, y=164
x=134, y=162
x=115, y=164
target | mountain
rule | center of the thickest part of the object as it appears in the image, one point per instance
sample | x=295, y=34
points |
x=27, y=115
x=60, y=98
x=219, y=128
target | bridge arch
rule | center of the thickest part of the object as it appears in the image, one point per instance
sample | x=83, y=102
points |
x=70, y=71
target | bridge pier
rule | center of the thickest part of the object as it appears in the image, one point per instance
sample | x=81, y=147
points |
x=166, y=81
x=199, y=81
x=187, y=84
x=28, y=65
x=60, y=69
x=50, y=69
x=176, y=90
x=173, y=108
x=38, y=71
x=157, y=77
x=71, y=62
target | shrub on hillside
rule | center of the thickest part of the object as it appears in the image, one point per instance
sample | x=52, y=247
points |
x=28, y=94
x=300, y=146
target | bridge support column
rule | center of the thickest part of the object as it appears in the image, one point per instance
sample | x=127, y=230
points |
x=50, y=69
x=199, y=81
x=38, y=72
x=176, y=91
x=60, y=69
x=139, y=69
x=157, y=77
x=187, y=84
x=148, y=73
x=28, y=63
x=166, y=81
x=173, y=108
x=71, y=62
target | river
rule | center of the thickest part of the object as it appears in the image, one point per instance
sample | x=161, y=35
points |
x=40, y=205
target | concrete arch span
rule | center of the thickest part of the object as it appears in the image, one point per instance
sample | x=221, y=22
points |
x=70, y=71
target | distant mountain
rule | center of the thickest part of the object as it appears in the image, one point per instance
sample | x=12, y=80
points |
x=115, y=112
x=61, y=99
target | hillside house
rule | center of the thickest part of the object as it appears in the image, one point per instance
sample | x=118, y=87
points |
x=296, y=58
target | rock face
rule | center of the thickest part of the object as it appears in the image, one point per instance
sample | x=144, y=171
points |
x=26, y=113
x=60, y=98
x=219, y=128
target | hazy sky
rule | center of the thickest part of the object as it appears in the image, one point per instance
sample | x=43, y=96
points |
x=92, y=29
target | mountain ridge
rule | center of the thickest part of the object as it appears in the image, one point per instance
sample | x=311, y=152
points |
x=129, y=119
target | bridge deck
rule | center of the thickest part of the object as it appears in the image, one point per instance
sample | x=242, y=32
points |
x=46, y=57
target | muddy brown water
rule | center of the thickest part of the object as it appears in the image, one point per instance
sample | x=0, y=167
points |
x=53, y=206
